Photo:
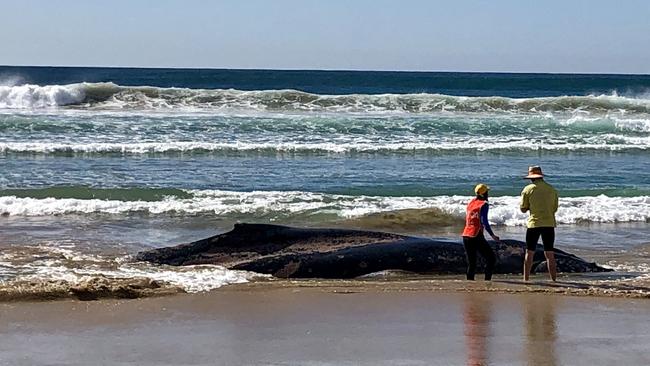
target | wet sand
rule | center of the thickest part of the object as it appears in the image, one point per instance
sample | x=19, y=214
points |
x=302, y=325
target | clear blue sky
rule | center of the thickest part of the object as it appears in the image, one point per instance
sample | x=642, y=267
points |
x=490, y=35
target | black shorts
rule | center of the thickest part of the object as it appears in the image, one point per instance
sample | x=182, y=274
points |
x=547, y=234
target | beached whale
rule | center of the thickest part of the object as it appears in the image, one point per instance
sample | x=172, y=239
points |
x=284, y=251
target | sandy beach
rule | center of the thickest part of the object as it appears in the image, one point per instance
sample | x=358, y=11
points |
x=293, y=325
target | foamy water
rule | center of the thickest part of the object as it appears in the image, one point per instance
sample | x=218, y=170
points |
x=504, y=210
x=72, y=266
x=601, y=143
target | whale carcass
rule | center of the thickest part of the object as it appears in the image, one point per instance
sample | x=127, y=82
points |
x=290, y=252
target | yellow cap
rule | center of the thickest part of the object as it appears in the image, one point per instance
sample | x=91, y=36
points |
x=481, y=188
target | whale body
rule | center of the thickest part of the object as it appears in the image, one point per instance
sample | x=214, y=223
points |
x=290, y=252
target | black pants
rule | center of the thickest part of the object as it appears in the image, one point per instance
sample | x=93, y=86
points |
x=478, y=244
x=547, y=234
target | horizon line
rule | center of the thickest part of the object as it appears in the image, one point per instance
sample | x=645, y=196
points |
x=331, y=70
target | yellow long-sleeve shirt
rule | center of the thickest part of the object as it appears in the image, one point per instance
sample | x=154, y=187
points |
x=541, y=199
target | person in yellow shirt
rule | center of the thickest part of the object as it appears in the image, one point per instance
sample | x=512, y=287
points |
x=540, y=199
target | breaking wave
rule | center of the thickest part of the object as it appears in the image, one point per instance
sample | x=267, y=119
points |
x=278, y=206
x=115, y=97
x=607, y=142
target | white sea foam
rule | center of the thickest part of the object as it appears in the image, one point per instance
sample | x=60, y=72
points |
x=52, y=263
x=619, y=122
x=603, y=142
x=634, y=267
x=280, y=204
x=34, y=96
x=189, y=278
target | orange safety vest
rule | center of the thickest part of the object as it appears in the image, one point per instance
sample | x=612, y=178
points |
x=473, y=225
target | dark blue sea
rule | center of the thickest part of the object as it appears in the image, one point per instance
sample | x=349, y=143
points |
x=98, y=163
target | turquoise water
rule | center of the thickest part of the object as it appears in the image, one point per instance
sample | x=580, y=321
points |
x=116, y=160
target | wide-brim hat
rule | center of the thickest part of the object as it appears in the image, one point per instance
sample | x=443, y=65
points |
x=534, y=172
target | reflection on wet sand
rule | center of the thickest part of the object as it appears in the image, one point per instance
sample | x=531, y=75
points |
x=540, y=330
x=476, y=318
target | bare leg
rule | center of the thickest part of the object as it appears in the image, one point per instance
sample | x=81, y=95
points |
x=550, y=261
x=528, y=264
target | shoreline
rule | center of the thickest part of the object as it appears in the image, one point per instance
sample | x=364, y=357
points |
x=630, y=289
x=101, y=288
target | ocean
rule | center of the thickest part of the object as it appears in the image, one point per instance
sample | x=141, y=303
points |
x=100, y=163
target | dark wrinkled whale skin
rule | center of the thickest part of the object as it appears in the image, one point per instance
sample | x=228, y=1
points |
x=290, y=252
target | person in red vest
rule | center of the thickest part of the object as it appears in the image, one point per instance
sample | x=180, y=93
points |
x=473, y=239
